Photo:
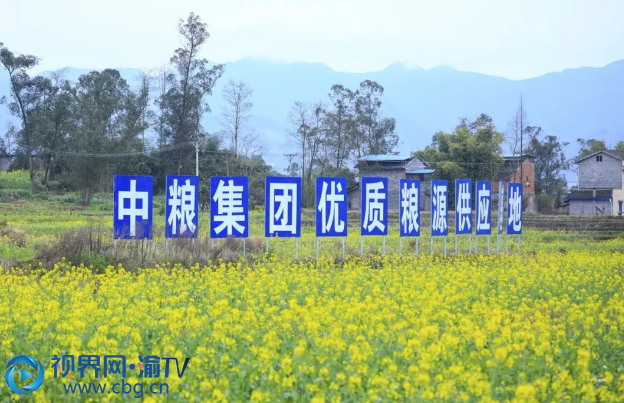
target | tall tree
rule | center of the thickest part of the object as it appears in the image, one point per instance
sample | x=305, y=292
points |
x=375, y=134
x=54, y=122
x=307, y=122
x=108, y=127
x=517, y=132
x=236, y=112
x=619, y=146
x=316, y=138
x=25, y=93
x=472, y=150
x=590, y=146
x=549, y=163
x=184, y=102
x=516, y=129
x=340, y=124
x=301, y=121
x=159, y=83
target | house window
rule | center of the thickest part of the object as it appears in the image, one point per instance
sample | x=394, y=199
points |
x=599, y=158
x=621, y=206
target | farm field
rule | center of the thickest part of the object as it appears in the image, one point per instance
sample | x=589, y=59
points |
x=28, y=226
x=537, y=327
x=38, y=230
x=542, y=326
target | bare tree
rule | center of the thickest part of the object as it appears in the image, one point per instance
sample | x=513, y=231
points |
x=316, y=137
x=7, y=142
x=235, y=114
x=159, y=87
x=251, y=144
x=516, y=128
x=307, y=121
x=145, y=114
x=515, y=135
x=301, y=122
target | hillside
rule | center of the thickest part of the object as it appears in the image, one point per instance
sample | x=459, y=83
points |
x=584, y=102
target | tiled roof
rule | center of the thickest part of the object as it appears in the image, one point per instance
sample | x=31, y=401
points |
x=386, y=158
x=588, y=194
x=615, y=154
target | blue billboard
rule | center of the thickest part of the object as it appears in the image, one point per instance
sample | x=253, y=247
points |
x=484, y=208
x=182, y=206
x=463, y=206
x=132, y=207
x=439, y=207
x=409, y=208
x=374, y=220
x=229, y=207
x=331, y=207
x=514, y=208
x=282, y=207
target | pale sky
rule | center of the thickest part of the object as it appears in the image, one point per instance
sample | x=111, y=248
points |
x=514, y=39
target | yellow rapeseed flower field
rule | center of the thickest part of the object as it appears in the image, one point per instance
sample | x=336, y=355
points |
x=541, y=327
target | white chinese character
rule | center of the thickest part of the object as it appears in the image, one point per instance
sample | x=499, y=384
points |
x=333, y=199
x=230, y=210
x=483, y=222
x=515, y=208
x=286, y=211
x=374, y=208
x=182, y=202
x=464, y=209
x=132, y=211
x=439, y=201
x=409, y=204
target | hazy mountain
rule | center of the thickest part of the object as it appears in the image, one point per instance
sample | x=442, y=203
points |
x=584, y=102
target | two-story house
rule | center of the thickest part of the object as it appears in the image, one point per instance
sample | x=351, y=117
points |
x=600, y=188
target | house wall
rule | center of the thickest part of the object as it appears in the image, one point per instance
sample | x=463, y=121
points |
x=353, y=199
x=528, y=172
x=528, y=184
x=618, y=195
x=604, y=175
x=425, y=196
x=394, y=176
x=590, y=207
x=5, y=163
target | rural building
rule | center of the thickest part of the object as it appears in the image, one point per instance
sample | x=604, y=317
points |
x=5, y=162
x=395, y=168
x=600, y=185
x=510, y=172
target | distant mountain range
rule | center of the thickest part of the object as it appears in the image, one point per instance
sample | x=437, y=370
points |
x=583, y=102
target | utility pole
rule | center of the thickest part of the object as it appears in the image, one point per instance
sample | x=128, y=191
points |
x=197, y=159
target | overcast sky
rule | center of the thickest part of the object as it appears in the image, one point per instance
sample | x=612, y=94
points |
x=515, y=39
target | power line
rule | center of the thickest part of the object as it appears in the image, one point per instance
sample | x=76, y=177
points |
x=288, y=156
